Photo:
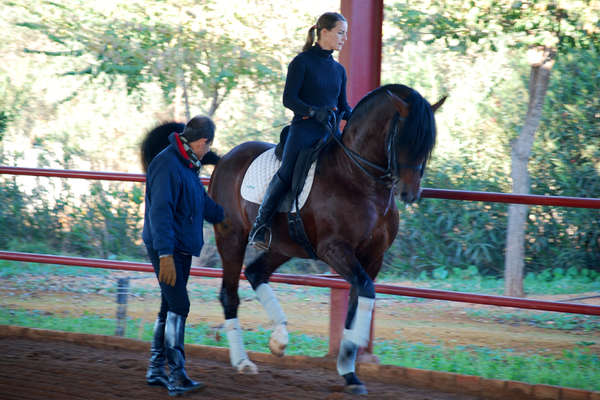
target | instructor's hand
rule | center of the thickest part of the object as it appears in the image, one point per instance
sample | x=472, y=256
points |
x=166, y=273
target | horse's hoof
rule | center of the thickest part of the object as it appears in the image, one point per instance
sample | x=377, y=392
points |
x=247, y=367
x=279, y=340
x=355, y=389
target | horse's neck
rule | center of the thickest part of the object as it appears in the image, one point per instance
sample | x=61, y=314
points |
x=365, y=137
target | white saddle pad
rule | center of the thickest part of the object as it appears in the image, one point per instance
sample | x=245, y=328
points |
x=259, y=175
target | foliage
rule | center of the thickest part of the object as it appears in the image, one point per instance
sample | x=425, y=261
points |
x=454, y=40
x=178, y=44
x=104, y=223
x=466, y=25
x=49, y=119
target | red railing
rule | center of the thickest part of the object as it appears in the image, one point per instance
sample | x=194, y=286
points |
x=318, y=281
x=339, y=287
x=559, y=201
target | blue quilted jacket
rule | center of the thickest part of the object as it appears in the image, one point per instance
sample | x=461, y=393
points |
x=176, y=204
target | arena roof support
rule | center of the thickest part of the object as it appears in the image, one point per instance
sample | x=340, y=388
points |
x=361, y=56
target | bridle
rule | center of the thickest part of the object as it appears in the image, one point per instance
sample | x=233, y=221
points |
x=391, y=174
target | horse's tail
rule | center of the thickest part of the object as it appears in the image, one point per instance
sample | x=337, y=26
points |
x=157, y=138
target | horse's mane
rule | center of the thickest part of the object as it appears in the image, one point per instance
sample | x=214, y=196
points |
x=156, y=139
x=419, y=131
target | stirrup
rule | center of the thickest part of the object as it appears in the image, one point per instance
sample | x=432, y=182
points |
x=261, y=245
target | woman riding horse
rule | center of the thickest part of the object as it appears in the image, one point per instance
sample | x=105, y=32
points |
x=315, y=86
x=350, y=216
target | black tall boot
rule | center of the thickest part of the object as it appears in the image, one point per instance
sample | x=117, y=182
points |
x=156, y=375
x=260, y=234
x=179, y=382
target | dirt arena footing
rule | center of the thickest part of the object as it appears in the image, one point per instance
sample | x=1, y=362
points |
x=300, y=377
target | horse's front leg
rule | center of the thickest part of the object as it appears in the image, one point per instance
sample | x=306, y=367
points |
x=258, y=273
x=357, y=328
x=237, y=352
x=231, y=249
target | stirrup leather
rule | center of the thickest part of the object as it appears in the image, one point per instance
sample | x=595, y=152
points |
x=262, y=245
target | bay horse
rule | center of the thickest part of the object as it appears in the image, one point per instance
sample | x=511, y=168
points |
x=350, y=216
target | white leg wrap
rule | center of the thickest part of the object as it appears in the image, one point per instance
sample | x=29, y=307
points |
x=346, y=360
x=237, y=353
x=271, y=305
x=361, y=324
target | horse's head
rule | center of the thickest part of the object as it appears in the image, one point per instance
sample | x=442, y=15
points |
x=411, y=140
x=394, y=127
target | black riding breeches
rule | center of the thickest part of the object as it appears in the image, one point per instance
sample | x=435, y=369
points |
x=302, y=135
x=173, y=298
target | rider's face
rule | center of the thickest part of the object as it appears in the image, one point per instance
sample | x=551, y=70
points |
x=335, y=38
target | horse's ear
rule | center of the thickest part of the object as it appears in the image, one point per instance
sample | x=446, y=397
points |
x=400, y=104
x=439, y=103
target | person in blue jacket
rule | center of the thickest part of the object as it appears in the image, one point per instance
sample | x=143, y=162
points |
x=315, y=90
x=176, y=206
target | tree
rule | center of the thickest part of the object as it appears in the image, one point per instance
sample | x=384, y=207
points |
x=546, y=29
x=181, y=45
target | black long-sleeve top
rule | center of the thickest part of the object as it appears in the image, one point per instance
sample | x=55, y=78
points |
x=314, y=80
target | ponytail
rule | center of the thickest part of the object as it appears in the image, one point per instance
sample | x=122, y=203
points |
x=310, y=38
x=325, y=21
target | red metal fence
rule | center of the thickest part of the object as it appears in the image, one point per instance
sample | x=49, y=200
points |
x=560, y=201
x=337, y=285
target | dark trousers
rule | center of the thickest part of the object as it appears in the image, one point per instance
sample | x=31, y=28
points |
x=173, y=298
x=302, y=135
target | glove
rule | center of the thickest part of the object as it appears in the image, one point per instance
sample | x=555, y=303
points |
x=325, y=116
x=166, y=272
x=345, y=115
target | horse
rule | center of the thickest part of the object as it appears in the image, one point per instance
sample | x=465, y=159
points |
x=350, y=216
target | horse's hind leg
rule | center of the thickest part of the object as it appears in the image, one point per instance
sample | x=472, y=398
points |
x=231, y=248
x=258, y=273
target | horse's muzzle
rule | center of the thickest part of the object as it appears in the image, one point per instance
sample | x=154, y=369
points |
x=410, y=196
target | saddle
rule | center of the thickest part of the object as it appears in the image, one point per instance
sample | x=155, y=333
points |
x=282, y=138
x=293, y=200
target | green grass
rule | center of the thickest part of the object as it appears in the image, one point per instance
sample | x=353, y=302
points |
x=577, y=368
x=545, y=320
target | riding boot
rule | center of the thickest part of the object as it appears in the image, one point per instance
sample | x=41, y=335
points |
x=179, y=381
x=260, y=234
x=156, y=375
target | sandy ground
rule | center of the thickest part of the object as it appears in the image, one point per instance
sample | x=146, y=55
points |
x=43, y=369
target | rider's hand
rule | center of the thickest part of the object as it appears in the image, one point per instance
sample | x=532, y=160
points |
x=166, y=272
x=325, y=116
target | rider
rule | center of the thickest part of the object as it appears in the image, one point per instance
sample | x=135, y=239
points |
x=315, y=90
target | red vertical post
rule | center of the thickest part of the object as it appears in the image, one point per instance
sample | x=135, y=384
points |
x=361, y=56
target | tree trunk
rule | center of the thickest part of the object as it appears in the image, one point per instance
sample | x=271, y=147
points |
x=521, y=149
